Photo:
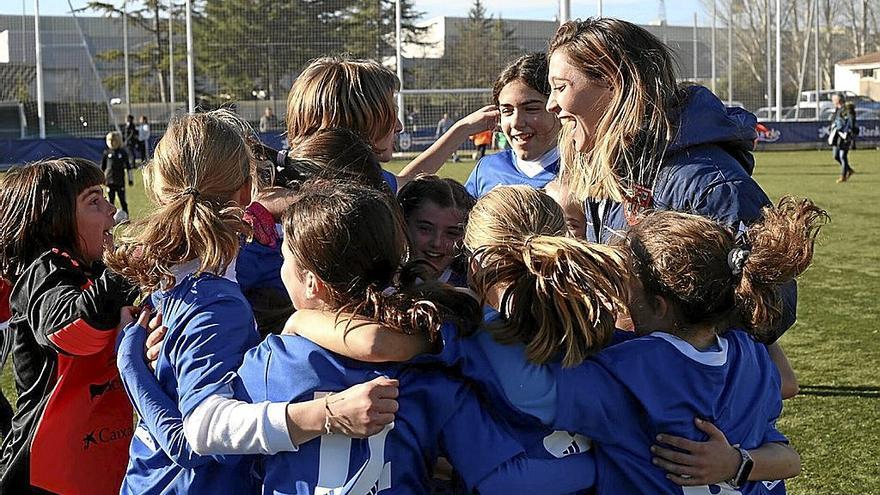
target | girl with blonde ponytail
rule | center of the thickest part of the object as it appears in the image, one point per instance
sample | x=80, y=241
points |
x=182, y=254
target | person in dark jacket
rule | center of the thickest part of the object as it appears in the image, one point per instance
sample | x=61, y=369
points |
x=634, y=140
x=114, y=164
x=843, y=134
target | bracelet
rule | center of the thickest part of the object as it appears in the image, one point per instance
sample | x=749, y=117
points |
x=328, y=414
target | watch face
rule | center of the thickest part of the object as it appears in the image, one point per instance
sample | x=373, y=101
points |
x=745, y=469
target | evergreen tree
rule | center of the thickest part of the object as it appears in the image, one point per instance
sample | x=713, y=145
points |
x=482, y=49
x=370, y=28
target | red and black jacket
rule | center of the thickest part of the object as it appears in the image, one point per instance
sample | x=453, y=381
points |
x=73, y=425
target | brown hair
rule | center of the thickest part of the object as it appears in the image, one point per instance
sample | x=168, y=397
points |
x=560, y=294
x=38, y=205
x=342, y=92
x=444, y=192
x=197, y=167
x=530, y=69
x=352, y=237
x=687, y=259
x=339, y=153
x=633, y=133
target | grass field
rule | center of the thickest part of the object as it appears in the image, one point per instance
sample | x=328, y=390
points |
x=835, y=420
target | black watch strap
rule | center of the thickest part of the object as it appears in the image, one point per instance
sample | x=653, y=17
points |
x=745, y=468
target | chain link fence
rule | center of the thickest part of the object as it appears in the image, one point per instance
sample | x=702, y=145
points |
x=107, y=60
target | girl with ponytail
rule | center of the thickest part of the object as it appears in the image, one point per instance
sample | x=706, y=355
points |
x=552, y=300
x=183, y=256
x=343, y=246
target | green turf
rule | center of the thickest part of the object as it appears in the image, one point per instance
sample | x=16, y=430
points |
x=835, y=421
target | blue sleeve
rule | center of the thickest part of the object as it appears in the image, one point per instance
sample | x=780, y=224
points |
x=210, y=350
x=253, y=374
x=472, y=183
x=774, y=407
x=531, y=388
x=570, y=474
x=158, y=411
x=391, y=179
x=475, y=442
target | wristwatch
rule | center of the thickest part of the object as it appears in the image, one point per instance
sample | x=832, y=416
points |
x=745, y=468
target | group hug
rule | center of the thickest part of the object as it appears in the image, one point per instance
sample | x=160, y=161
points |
x=596, y=310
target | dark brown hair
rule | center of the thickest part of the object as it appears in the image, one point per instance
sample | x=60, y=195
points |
x=684, y=258
x=353, y=238
x=38, y=205
x=339, y=153
x=530, y=69
x=445, y=193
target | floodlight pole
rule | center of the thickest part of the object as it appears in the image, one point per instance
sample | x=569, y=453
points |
x=778, y=60
x=171, y=53
x=695, y=47
x=816, y=61
x=398, y=15
x=41, y=101
x=599, y=7
x=730, y=51
x=564, y=11
x=190, y=69
x=714, y=26
x=125, y=55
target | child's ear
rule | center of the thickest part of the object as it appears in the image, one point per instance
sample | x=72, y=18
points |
x=243, y=195
x=315, y=287
x=661, y=307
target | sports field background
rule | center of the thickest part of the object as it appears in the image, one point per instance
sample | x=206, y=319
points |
x=835, y=420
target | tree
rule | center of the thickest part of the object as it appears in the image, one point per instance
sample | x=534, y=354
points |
x=248, y=46
x=148, y=71
x=481, y=50
x=371, y=24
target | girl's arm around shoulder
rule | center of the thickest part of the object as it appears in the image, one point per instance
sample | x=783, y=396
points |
x=355, y=337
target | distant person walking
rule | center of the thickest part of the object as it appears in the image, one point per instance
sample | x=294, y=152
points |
x=143, y=141
x=842, y=134
x=443, y=125
x=130, y=137
x=268, y=120
x=114, y=164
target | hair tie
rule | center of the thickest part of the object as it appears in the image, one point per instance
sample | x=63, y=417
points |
x=192, y=191
x=736, y=259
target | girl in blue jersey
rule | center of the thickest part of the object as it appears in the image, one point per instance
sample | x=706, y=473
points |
x=521, y=92
x=359, y=95
x=343, y=245
x=436, y=211
x=183, y=253
x=65, y=308
x=522, y=272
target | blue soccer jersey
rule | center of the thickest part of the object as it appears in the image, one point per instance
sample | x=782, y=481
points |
x=658, y=384
x=210, y=327
x=437, y=414
x=505, y=169
x=481, y=359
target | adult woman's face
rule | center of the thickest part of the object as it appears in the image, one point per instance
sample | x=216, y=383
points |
x=530, y=129
x=576, y=99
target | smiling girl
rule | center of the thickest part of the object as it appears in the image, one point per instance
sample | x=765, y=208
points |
x=436, y=212
x=521, y=93
x=65, y=308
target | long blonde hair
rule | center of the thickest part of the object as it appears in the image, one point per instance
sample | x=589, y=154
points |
x=560, y=295
x=634, y=132
x=342, y=92
x=198, y=166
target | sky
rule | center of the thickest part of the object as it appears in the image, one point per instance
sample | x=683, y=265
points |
x=678, y=12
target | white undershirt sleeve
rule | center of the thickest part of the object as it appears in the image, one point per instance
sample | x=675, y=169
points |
x=222, y=425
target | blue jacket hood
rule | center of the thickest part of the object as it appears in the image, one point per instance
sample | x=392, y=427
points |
x=704, y=119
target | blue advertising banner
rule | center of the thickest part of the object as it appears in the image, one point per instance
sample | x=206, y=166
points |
x=810, y=132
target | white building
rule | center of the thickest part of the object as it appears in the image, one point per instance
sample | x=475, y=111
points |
x=861, y=75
